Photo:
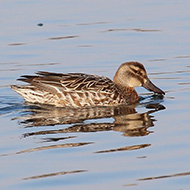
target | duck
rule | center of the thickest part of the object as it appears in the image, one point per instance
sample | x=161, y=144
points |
x=86, y=90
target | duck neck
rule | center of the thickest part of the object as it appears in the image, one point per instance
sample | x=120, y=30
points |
x=129, y=94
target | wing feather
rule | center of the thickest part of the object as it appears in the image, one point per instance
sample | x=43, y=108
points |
x=56, y=82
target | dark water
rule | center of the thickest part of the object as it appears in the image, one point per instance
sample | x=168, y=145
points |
x=143, y=146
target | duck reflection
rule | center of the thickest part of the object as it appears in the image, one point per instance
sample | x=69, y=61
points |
x=126, y=119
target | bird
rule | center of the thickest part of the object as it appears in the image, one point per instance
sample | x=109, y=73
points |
x=77, y=90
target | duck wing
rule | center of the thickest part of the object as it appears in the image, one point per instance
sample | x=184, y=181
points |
x=56, y=82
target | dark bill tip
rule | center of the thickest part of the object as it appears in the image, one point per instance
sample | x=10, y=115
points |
x=151, y=87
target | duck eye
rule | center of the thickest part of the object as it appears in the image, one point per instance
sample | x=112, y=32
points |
x=138, y=72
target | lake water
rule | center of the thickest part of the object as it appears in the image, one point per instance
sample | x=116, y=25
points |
x=144, y=146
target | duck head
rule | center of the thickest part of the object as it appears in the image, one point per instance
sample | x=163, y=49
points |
x=133, y=74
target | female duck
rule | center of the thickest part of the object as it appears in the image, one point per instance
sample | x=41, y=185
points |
x=83, y=90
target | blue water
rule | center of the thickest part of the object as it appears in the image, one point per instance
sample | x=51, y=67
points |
x=144, y=146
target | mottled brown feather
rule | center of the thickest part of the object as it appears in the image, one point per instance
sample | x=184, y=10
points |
x=84, y=90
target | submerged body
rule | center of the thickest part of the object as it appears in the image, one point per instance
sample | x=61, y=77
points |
x=83, y=90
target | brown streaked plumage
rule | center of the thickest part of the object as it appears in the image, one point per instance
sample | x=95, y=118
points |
x=83, y=90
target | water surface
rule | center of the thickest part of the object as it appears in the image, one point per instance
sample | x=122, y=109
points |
x=142, y=146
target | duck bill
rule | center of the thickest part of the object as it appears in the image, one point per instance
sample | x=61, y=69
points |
x=151, y=87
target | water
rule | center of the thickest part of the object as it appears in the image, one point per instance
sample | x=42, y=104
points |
x=144, y=146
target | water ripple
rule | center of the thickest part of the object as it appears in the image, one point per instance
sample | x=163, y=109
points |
x=54, y=174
